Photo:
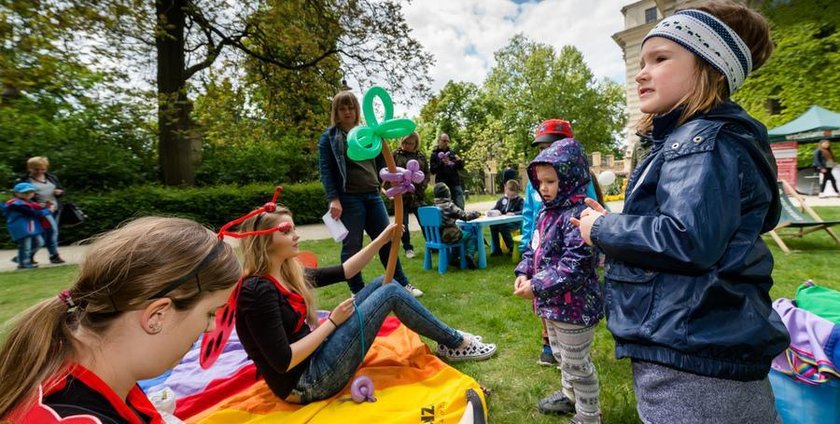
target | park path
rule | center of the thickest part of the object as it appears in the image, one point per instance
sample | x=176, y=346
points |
x=75, y=253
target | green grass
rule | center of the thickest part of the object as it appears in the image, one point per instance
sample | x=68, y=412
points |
x=482, y=302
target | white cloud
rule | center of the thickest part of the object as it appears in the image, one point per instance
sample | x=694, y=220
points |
x=464, y=34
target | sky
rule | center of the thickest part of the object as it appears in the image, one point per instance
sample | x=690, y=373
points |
x=464, y=34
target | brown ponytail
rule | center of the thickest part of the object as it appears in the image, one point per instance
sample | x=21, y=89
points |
x=33, y=351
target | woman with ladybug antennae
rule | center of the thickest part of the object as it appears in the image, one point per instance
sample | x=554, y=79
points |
x=275, y=314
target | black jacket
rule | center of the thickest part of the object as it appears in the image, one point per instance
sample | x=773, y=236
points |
x=447, y=174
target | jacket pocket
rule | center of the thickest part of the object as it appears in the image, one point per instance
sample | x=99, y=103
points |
x=628, y=297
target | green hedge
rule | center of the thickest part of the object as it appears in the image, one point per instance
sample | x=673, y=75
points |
x=212, y=206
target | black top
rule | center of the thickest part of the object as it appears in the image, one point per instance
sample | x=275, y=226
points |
x=443, y=173
x=266, y=323
x=83, y=393
x=505, y=205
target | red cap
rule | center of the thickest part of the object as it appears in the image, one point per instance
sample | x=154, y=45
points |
x=552, y=130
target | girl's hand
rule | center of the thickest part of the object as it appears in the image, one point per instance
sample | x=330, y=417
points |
x=58, y=192
x=386, y=234
x=587, y=219
x=335, y=209
x=343, y=311
x=523, y=288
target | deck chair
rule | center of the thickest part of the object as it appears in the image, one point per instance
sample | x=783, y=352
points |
x=802, y=217
x=430, y=222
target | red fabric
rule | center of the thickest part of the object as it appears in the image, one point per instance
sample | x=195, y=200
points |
x=217, y=391
x=295, y=301
x=43, y=414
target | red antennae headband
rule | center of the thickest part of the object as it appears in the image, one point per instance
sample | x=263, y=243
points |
x=268, y=207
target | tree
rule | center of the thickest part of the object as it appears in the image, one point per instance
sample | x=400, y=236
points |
x=51, y=104
x=370, y=37
x=534, y=83
x=803, y=70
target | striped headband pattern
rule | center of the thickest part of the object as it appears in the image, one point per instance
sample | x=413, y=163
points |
x=709, y=38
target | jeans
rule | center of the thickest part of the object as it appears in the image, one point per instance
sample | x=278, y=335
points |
x=458, y=196
x=406, y=237
x=27, y=246
x=335, y=362
x=826, y=177
x=49, y=238
x=365, y=212
x=505, y=231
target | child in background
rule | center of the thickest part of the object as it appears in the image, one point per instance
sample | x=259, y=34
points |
x=688, y=275
x=449, y=231
x=509, y=204
x=26, y=220
x=558, y=270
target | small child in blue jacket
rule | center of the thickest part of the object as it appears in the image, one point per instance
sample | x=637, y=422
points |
x=25, y=220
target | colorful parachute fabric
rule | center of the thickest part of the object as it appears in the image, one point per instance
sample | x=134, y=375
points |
x=411, y=383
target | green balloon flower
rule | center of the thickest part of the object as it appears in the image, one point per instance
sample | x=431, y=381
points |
x=365, y=142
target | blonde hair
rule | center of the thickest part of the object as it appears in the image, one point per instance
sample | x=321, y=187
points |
x=37, y=161
x=710, y=87
x=257, y=253
x=121, y=271
x=416, y=138
x=344, y=98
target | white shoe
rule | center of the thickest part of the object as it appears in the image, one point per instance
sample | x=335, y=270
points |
x=410, y=253
x=413, y=290
x=823, y=195
x=475, y=351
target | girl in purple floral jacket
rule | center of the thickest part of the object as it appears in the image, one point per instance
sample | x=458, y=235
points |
x=558, y=271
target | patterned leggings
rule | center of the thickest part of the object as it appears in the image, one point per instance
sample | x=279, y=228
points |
x=570, y=346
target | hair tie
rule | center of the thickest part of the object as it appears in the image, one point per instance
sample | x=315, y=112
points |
x=65, y=297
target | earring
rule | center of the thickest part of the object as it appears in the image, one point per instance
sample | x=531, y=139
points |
x=155, y=328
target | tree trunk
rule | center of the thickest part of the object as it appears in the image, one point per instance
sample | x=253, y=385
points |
x=178, y=148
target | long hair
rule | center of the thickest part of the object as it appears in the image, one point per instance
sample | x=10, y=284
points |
x=827, y=153
x=257, y=253
x=710, y=88
x=344, y=98
x=121, y=271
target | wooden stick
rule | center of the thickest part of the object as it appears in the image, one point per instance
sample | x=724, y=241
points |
x=398, y=217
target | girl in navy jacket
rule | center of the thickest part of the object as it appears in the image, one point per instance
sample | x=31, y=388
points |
x=688, y=275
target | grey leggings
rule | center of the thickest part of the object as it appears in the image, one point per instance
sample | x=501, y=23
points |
x=666, y=395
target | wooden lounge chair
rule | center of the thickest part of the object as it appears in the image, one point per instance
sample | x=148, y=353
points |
x=800, y=217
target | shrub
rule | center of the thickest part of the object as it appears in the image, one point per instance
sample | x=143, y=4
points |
x=212, y=206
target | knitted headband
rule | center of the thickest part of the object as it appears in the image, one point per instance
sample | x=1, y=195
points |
x=709, y=38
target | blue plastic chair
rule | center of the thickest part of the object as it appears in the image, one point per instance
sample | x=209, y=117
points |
x=430, y=221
